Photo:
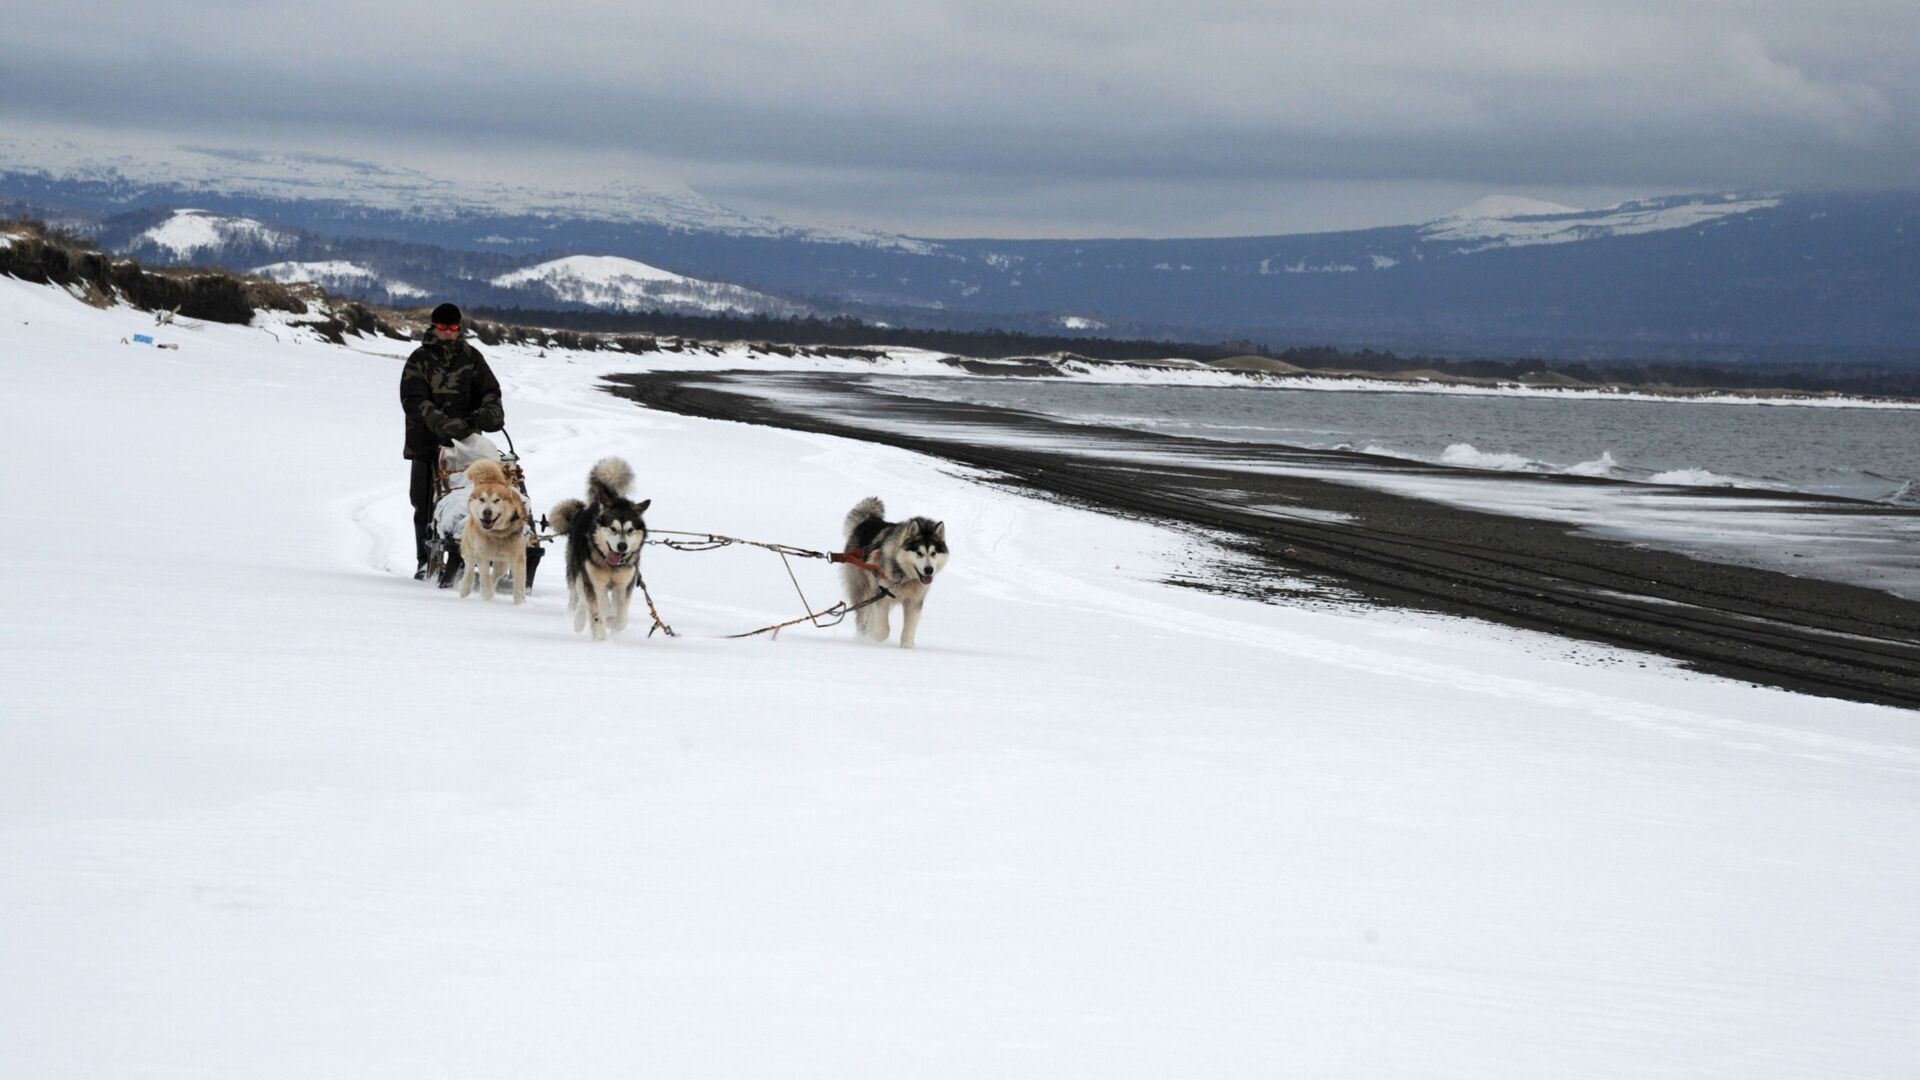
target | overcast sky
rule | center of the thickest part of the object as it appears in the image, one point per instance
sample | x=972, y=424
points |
x=1035, y=118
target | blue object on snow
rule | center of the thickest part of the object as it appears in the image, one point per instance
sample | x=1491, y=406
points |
x=143, y=339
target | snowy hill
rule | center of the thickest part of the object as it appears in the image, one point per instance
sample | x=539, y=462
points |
x=607, y=281
x=340, y=276
x=270, y=808
x=199, y=234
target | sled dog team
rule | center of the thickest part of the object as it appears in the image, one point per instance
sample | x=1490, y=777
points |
x=606, y=531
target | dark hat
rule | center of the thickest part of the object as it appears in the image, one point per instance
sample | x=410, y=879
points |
x=447, y=314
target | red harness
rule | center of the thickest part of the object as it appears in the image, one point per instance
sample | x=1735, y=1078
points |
x=856, y=557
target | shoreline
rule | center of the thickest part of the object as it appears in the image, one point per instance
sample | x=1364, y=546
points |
x=1263, y=373
x=1078, y=369
x=1377, y=548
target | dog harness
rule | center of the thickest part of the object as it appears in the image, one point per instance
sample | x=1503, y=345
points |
x=856, y=557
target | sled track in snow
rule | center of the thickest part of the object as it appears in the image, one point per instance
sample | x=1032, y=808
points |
x=1752, y=624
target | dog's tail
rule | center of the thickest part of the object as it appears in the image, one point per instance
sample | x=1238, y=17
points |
x=867, y=509
x=486, y=471
x=561, y=516
x=609, y=480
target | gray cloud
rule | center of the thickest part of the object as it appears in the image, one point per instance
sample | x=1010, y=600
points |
x=936, y=113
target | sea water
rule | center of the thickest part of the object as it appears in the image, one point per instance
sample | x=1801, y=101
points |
x=1860, y=453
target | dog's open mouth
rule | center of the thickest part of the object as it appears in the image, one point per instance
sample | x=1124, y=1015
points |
x=926, y=577
x=616, y=558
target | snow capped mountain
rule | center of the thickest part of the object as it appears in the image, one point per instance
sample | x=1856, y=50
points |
x=1509, y=221
x=608, y=281
x=1728, y=275
x=315, y=177
x=190, y=233
x=340, y=276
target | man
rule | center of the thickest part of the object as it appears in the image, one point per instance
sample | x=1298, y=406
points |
x=448, y=392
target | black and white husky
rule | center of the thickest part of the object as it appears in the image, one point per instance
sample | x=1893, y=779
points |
x=604, y=537
x=905, y=554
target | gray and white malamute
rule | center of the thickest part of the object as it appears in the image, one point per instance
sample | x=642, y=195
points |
x=604, y=537
x=906, y=554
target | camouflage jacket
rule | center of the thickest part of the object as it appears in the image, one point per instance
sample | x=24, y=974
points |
x=447, y=391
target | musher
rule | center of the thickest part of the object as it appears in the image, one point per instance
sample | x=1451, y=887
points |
x=448, y=392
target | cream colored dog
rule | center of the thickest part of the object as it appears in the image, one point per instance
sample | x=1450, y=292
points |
x=495, y=539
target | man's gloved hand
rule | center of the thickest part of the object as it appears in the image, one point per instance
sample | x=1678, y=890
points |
x=456, y=429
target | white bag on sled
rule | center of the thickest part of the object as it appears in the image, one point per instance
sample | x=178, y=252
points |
x=450, y=513
x=466, y=451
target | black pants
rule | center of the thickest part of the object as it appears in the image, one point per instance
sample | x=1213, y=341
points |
x=420, y=492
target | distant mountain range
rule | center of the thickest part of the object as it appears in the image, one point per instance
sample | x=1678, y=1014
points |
x=1722, y=277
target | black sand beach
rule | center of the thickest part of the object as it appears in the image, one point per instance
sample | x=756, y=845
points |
x=1763, y=626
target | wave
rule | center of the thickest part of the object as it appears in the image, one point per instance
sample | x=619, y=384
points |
x=1604, y=466
x=1466, y=455
x=1700, y=478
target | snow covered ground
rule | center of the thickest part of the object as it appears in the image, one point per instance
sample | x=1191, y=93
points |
x=268, y=808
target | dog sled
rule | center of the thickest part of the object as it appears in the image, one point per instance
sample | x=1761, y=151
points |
x=450, y=484
x=445, y=562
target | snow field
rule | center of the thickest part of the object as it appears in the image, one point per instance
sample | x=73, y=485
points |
x=269, y=808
